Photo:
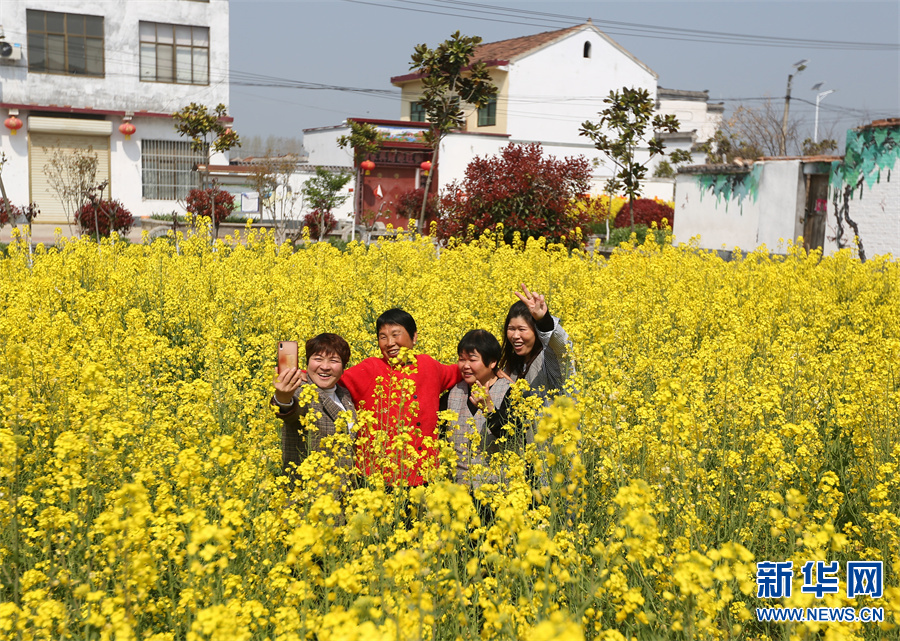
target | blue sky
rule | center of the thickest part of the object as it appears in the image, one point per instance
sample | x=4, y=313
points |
x=360, y=44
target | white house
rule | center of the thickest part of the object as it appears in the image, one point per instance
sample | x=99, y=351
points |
x=698, y=119
x=549, y=84
x=77, y=78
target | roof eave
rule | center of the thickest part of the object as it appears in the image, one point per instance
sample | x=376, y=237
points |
x=409, y=77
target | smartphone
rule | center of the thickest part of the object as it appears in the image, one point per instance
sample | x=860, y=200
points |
x=287, y=355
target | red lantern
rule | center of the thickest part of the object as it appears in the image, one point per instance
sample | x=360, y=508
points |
x=13, y=124
x=127, y=129
x=425, y=167
x=367, y=165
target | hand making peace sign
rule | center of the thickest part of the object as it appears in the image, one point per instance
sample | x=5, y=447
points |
x=535, y=302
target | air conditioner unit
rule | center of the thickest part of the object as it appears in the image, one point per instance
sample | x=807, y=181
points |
x=10, y=51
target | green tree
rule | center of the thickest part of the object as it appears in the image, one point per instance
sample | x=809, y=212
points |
x=450, y=79
x=627, y=119
x=322, y=194
x=668, y=168
x=810, y=148
x=208, y=133
x=364, y=139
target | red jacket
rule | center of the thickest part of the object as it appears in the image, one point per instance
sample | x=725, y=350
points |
x=382, y=389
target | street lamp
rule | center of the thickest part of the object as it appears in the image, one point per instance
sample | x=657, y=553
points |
x=819, y=97
x=799, y=66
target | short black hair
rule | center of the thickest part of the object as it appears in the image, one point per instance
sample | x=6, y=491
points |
x=396, y=316
x=483, y=342
x=328, y=344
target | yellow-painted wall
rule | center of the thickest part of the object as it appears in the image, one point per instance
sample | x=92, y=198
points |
x=412, y=91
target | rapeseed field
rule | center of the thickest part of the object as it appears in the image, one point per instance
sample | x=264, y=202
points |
x=721, y=414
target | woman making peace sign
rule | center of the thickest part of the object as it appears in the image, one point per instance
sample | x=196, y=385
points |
x=535, y=346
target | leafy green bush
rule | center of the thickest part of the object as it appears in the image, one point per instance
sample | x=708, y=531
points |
x=623, y=234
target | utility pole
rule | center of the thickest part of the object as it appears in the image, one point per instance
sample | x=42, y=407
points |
x=799, y=66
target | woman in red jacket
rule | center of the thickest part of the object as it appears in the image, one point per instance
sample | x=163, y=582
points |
x=396, y=398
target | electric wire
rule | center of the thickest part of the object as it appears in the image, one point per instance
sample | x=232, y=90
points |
x=636, y=29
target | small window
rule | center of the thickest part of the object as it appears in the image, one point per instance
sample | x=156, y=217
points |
x=174, y=53
x=487, y=115
x=70, y=43
x=417, y=112
x=587, y=49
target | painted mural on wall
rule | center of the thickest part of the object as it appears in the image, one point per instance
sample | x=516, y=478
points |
x=731, y=186
x=870, y=157
x=402, y=134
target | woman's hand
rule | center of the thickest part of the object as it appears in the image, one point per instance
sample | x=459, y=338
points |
x=286, y=384
x=480, y=398
x=535, y=302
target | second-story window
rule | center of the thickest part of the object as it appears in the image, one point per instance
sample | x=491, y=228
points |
x=69, y=43
x=487, y=115
x=417, y=112
x=174, y=53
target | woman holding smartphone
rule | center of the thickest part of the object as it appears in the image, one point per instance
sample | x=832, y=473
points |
x=326, y=357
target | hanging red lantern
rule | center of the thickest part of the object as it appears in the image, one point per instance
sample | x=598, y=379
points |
x=425, y=167
x=127, y=129
x=367, y=165
x=13, y=124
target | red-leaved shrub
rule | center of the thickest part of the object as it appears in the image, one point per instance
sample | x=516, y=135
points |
x=646, y=212
x=199, y=203
x=311, y=220
x=110, y=216
x=4, y=217
x=29, y=212
x=521, y=189
x=409, y=205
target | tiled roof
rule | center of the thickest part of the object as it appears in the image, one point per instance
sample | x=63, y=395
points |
x=817, y=158
x=885, y=122
x=502, y=51
x=494, y=54
x=507, y=49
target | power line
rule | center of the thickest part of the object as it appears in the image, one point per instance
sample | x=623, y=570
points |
x=663, y=30
x=631, y=29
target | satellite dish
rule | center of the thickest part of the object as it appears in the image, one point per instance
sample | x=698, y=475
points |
x=5, y=49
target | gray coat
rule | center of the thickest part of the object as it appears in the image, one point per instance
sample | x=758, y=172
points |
x=468, y=454
x=297, y=442
x=550, y=368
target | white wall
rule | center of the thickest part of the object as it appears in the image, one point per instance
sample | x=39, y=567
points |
x=542, y=84
x=120, y=88
x=322, y=147
x=458, y=150
x=693, y=115
x=771, y=218
x=877, y=214
x=15, y=172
